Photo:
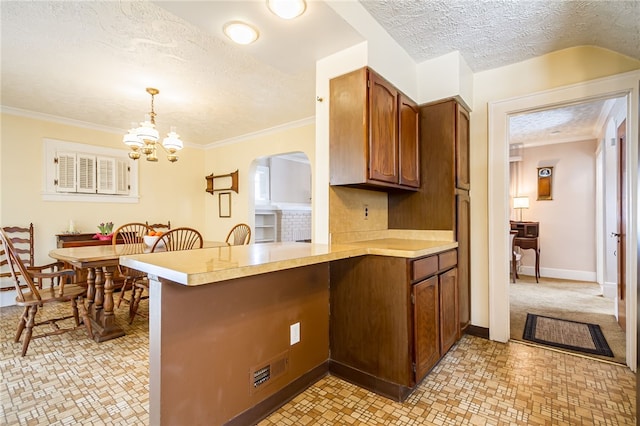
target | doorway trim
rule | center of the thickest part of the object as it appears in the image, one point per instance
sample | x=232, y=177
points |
x=625, y=84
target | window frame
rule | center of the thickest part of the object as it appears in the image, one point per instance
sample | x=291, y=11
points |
x=52, y=148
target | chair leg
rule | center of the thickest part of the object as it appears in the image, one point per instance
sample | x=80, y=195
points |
x=22, y=323
x=29, y=326
x=136, y=295
x=74, y=306
x=122, y=291
x=85, y=316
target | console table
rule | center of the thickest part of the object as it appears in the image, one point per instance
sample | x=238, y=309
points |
x=81, y=240
x=527, y=239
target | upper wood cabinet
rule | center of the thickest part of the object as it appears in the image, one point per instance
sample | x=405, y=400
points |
x=374, y=131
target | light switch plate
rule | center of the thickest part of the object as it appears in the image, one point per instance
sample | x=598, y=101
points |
x=294, y=333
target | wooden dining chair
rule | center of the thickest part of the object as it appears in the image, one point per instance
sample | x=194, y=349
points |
x=130, y=234
x=58, y=292
x=23, y=243
x=239, y=235
x=160, y=226
x=173, y=240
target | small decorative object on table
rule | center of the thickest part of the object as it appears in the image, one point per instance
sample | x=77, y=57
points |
x=106, y=232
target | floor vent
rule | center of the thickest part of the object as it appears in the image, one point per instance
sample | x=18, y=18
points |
x=264, y=374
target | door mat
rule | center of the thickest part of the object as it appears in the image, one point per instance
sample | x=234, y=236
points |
x=565, y=334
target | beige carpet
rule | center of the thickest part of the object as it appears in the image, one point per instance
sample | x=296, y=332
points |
x=571, y=300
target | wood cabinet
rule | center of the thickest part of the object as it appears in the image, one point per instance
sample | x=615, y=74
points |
x=374, y=130
x=392, y=319
x=442, y=202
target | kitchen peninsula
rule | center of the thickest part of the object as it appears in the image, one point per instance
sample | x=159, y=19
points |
x=234, y=332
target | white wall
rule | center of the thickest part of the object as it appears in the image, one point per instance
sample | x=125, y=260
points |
x=611, y=211
x=290, y=181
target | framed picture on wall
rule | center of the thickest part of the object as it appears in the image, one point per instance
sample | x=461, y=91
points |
x=224, y=204
x=545, y=179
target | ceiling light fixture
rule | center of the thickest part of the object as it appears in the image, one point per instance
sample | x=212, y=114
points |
x=240, y=32
x=287, y=9
x=143, y=139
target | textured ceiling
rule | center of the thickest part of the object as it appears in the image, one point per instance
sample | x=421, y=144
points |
x=564, y=124
x=494, y=33
x=91, y=61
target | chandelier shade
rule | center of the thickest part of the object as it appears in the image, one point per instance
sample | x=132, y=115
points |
x=143, y=139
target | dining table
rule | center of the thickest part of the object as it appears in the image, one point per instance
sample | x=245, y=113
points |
x=100, y=263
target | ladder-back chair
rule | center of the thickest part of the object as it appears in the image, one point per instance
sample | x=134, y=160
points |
x=160, y=226
x=239, y=235
x=31, y=300
x=23, y=244
x=173, y=240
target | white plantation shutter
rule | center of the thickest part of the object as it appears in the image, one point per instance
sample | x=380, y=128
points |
x=86, y=177
x=106, y=176
x=87, y=173
x=122, y=177
x=66, y=172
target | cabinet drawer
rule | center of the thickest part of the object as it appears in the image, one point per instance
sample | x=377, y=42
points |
x=447, y=259
x=424, y=267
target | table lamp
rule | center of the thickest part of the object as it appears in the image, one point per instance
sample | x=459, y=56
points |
x=520, y=203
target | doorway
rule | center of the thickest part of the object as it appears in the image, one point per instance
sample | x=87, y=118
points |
x=576, y=143
x=282, y=198
x=498, y=213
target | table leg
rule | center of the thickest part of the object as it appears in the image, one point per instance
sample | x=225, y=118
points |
x=105, y=327
x=537, y=264
x=91, y=291
x=99, y=298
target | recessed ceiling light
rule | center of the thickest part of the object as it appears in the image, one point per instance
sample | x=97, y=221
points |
x=240, y=32
x=287, y=9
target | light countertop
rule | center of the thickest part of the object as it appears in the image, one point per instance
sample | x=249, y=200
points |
x=210, y=265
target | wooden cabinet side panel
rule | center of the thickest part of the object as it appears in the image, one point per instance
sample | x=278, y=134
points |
x=449, y=324
x=433, y=205
x=409, y=137
x=348, y=128
x=463, y=236
x=462, y=148
x=383, y=130
x=369, y=320
x=426, y=326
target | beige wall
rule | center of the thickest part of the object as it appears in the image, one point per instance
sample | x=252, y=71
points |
x=241, y=155
x=172, y=192
x=557, y=69
x=567, y=222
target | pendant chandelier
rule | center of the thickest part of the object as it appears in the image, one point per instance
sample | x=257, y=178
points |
x=143, y=139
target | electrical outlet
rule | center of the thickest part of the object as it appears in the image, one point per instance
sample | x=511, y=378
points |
x=294, y=333
x=366, y=211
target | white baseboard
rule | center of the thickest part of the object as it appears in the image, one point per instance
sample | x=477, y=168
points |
x=563, y=274
x=610, y=290
x=7, y=298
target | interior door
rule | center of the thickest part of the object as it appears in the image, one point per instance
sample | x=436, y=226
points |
x=622, y=224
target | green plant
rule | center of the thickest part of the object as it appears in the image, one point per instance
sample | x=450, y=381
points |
x=106, y=228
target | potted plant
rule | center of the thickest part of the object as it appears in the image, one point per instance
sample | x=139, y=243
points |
x=106, y=231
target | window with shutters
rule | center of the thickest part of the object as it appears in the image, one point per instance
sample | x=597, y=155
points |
x=79, y=172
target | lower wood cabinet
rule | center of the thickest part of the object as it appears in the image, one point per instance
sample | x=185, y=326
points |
x=392, y=319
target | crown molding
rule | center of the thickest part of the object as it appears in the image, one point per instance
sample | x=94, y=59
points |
x=276, y=129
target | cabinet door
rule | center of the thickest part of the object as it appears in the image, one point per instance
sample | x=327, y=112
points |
x=426, y=335
x=449, y=325
x=383, y=130
x=408, y=142
x=462, y=148
x=463, y=234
